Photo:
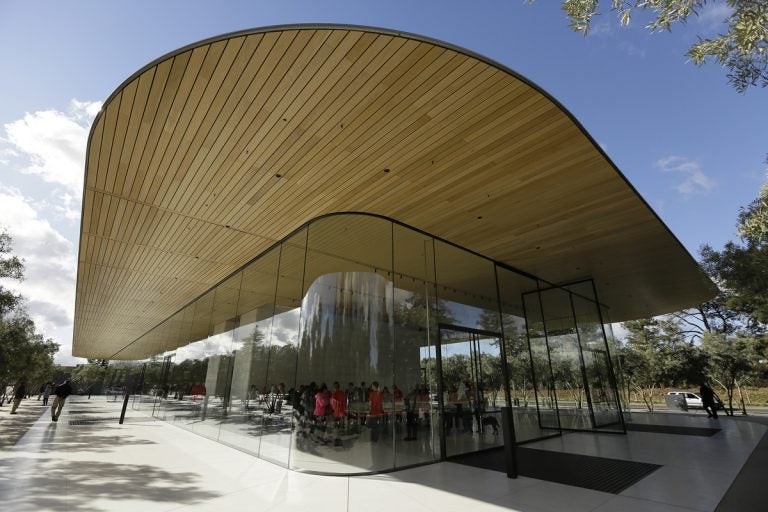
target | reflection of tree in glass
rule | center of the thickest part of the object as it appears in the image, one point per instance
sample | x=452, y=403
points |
x=347, y=330
x=188, y=373
x=516, y=349
x=415, y=316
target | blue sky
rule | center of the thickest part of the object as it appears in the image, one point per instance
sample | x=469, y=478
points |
x=692, y=146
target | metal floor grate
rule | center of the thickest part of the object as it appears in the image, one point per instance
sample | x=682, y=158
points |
x=596, y=473
x=80, y=422
x=672, y=429
x=84, y=422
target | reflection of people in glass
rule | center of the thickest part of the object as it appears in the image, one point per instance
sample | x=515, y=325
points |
x=339, y=406
x=376, y=411
x=397, y=406
x=451, y=408
x=322, y=406
x=411, y=414
x=253, y=393
x=425, y=403
x=468, y=400
x=361, y=397
x=308, y=405
x=478, y=406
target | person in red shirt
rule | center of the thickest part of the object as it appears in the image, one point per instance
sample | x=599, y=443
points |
x=339, y=404
x=321, y=412
x=376, y=411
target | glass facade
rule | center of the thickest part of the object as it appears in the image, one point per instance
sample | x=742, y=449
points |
x=360, y=345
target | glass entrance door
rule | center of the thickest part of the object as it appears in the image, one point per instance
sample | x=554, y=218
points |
x=472, y=390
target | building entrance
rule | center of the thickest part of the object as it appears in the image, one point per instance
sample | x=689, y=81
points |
x=472, y=390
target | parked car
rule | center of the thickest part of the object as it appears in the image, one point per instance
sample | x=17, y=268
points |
x=692, y=400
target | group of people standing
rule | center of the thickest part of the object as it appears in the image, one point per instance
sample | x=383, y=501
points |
x=61, y=392
x=328, y=414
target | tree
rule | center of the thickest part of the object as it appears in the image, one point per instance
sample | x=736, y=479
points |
x=742, y=49
x=11, y=267
x=741, y=272
x=726, y=313
x=730, y=362
x=753, y=219
x=655, y=354
x=23, y=351
x=86, y=376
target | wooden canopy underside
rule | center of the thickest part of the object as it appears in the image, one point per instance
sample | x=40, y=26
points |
x=207, y=157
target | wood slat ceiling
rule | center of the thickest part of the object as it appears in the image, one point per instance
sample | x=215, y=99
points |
x=206, y=157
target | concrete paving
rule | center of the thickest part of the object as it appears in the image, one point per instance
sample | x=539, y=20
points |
x=148, y=465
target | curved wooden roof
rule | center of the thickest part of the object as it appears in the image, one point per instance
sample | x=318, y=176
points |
x=208, y=156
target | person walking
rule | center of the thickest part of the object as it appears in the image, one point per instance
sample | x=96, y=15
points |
x=708, y=400
x=63, y=390
x=18, y=394
x=47, y=392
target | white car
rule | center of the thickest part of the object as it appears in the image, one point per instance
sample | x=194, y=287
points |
x=692, y=400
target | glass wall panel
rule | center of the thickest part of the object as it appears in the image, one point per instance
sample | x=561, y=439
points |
x=345, y=375
x=218, y=380
x=250, y=354
x=622, y=386
x=466, y=289
x=359, y=345
x=467, y=297
x=518, y=357
x=415, y=326
x=160, y=373
x=543, y=381
x=567, y=366
x=602, y=387
x=280, y=398
x=196, y=356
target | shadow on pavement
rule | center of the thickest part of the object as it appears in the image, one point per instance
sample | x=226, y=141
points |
x=81, y=485
x=13, y=427
x=86, y=440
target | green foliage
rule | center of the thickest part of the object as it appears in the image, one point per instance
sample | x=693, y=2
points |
x=742, y=49
x=753, y=219
x=11, y=267
x=741, y=269
x=742, y=272
x=657, y=354
x=731, y=361
x=86, y=376
x=23, y=351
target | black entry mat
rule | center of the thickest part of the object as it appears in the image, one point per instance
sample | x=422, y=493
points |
x=596, y=473
x=672, y=429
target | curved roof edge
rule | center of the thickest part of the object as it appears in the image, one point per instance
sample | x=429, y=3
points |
x=580, y=150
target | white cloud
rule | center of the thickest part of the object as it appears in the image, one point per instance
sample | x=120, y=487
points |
x=53, y=145
x=49, y=145
x=713, y=15
x=601, y=28
x=50, y=267
x=6, y=153
x=695, y=181
x=632, y=50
